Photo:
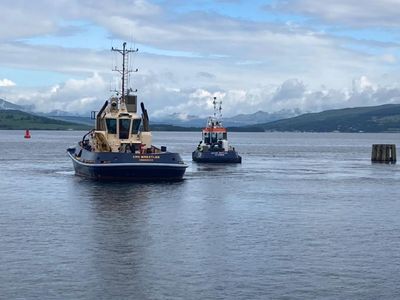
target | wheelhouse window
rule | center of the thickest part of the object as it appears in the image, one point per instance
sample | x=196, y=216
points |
x=124, y=125
x=136, y=125
x=213, y=137
x=111, y=126
x=206, y=138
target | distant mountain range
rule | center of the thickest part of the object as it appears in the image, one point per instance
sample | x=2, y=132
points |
x=172, y=119
x=250, y=120
x=5, y=105
x=383, y=118
x=235, y=121
x=17, y=120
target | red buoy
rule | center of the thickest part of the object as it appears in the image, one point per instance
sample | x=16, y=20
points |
x=27, y=134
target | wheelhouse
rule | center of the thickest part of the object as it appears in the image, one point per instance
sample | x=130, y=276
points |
x=214, y=135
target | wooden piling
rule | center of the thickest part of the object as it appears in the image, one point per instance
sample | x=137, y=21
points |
x=383, y=153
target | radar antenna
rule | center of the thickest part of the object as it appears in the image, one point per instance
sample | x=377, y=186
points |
x=125, y=71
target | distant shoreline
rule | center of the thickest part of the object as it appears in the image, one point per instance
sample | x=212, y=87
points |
x=370, y=119
x=152, y=129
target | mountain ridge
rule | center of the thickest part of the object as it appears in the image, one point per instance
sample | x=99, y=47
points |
x=174, y=119
x=381, y=118
x=235, y=121
x=6, y=105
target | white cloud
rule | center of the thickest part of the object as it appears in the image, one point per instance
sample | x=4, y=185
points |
x=82, y=96
x=363, y=84
x=225, y=46
x=79, y=96
x=291, y=95
x=290, y=89
x=249, y=65
x=6, y=82
x=389, y=58
x=346, y=12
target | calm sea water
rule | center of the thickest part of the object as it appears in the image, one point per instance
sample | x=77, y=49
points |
x=305, y=216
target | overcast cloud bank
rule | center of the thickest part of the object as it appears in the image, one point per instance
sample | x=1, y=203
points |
x=307, y=56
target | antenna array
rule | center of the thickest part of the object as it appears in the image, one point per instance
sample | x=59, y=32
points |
x=125, y=70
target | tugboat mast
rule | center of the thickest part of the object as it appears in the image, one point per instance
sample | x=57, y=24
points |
x=125, y=71
x=219, y=109
x=215, y=106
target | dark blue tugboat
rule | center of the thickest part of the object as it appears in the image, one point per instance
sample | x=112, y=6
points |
x=214, y=146
x=119, y=147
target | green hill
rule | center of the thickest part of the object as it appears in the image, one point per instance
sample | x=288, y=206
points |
x=15, y=119
x=383, y=118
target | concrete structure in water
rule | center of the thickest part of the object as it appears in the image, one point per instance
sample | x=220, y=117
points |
x=383, y=153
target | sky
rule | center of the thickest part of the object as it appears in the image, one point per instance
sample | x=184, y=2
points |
x=270, y=55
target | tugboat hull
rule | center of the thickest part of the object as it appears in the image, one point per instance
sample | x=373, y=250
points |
x=216, y=157
x=109, y=166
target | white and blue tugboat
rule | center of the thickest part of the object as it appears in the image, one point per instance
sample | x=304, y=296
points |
x=120, y=146
x=214, y=146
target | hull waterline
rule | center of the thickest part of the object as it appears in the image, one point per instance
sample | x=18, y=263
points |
x=98, y=166
x=216, y=157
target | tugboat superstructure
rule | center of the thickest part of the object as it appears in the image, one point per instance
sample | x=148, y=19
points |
x=214, y=146
x=120, y=146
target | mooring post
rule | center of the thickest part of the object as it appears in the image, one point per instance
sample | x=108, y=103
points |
x=383, y=153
